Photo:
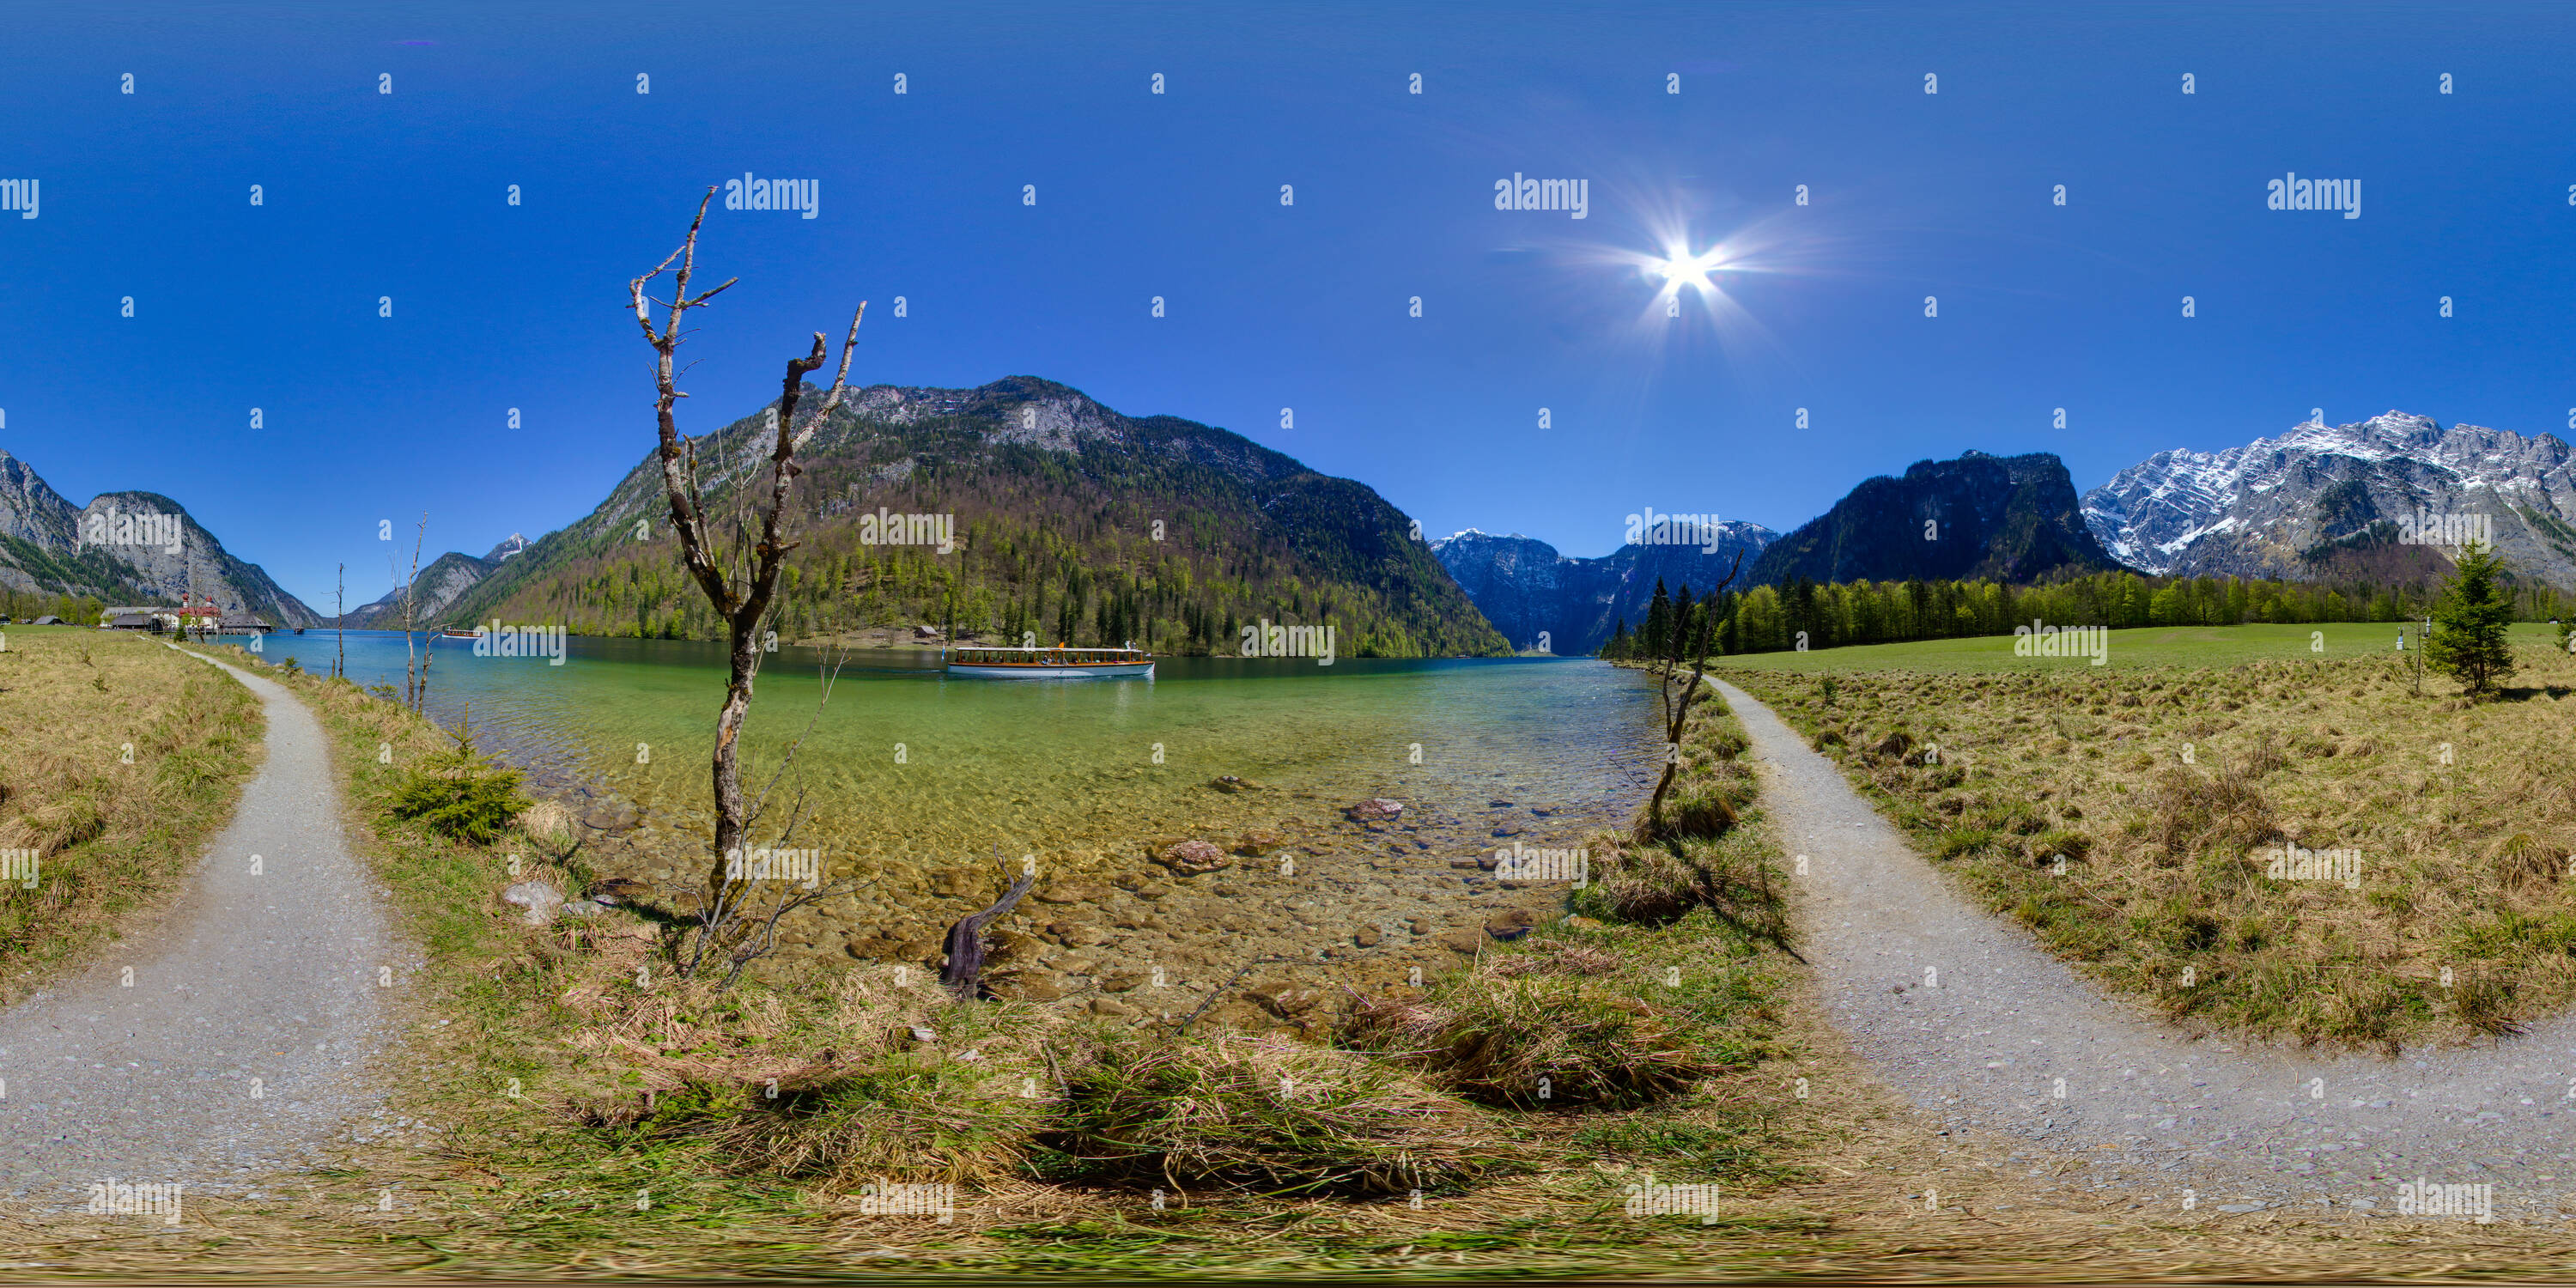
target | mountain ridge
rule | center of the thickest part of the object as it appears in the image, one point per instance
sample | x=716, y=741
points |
x=1976, y=516
x=118, y=548
x=2278, y=506
x=1526, y=588
x=1064, y=520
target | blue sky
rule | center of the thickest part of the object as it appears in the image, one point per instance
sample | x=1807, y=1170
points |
x=369, y=195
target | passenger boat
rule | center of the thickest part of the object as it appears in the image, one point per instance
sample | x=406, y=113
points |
x=451, y=633
x=1058, y=663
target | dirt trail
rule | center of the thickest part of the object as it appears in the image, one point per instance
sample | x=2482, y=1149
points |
x=1983, y=1040
x=231, y=1039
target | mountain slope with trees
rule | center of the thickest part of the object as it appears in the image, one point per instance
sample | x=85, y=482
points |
x=1063, y=521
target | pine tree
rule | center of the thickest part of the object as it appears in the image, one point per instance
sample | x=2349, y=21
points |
x=2469, y=621
x=1659, y=622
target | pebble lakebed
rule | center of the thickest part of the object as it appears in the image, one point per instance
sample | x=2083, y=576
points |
x=1311, y=901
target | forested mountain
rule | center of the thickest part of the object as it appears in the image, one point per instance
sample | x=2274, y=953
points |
x=441, y=584
x=1015, y=509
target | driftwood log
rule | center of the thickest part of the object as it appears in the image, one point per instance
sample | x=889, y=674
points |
x=966, y=940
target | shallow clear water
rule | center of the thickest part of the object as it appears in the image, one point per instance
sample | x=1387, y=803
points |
x=1062, y=767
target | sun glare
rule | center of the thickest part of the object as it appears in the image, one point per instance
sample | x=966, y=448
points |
x=1684, y=269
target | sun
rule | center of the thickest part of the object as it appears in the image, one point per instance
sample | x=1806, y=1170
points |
x=1680, y=268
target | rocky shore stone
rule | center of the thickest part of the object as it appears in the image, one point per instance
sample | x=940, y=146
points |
x=1192, y=858
x=540, y=899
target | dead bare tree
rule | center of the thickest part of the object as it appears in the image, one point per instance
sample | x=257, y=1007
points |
x=729, y=924
x=340, y=622
x=415, y=680
x=740, y=580
x=1687, y=645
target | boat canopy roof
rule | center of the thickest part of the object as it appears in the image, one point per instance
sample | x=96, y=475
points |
x=1042, y=648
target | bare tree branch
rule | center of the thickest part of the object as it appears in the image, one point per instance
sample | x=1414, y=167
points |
x=965, y=969
x=1675, y=717
x=739, y=577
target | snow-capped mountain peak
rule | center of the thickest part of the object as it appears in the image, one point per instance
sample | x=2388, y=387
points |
x=2266, y=508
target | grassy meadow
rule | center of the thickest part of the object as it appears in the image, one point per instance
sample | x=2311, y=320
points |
x=2140, y=647
x=563, y=1113
x=2171, y=779
x=123, y=758
x=585, y=1098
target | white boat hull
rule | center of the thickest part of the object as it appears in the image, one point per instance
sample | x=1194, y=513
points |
x=1111, y=671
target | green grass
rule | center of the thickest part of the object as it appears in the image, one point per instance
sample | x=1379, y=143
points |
x=123, y=757
x=2168, y=790
x=2146, y=646
x=1059, y=1129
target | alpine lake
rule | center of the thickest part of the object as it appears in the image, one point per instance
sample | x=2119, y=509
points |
x=927, y=793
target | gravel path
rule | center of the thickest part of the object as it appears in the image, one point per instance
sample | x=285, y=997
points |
x=1983, y=1044
x=238, y=1044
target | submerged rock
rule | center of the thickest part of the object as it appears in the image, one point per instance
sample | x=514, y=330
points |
x=1074, y=892
x=1376, y=809
x=1230, y=784
x=1191, y=858
x=1025, y=986
x=619, y=890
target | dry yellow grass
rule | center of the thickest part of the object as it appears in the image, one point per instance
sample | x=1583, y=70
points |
x=504, y=1186
x=2423, y=840
x=123, y=757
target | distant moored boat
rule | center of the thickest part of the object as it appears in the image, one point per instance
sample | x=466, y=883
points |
x=1058, y=663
